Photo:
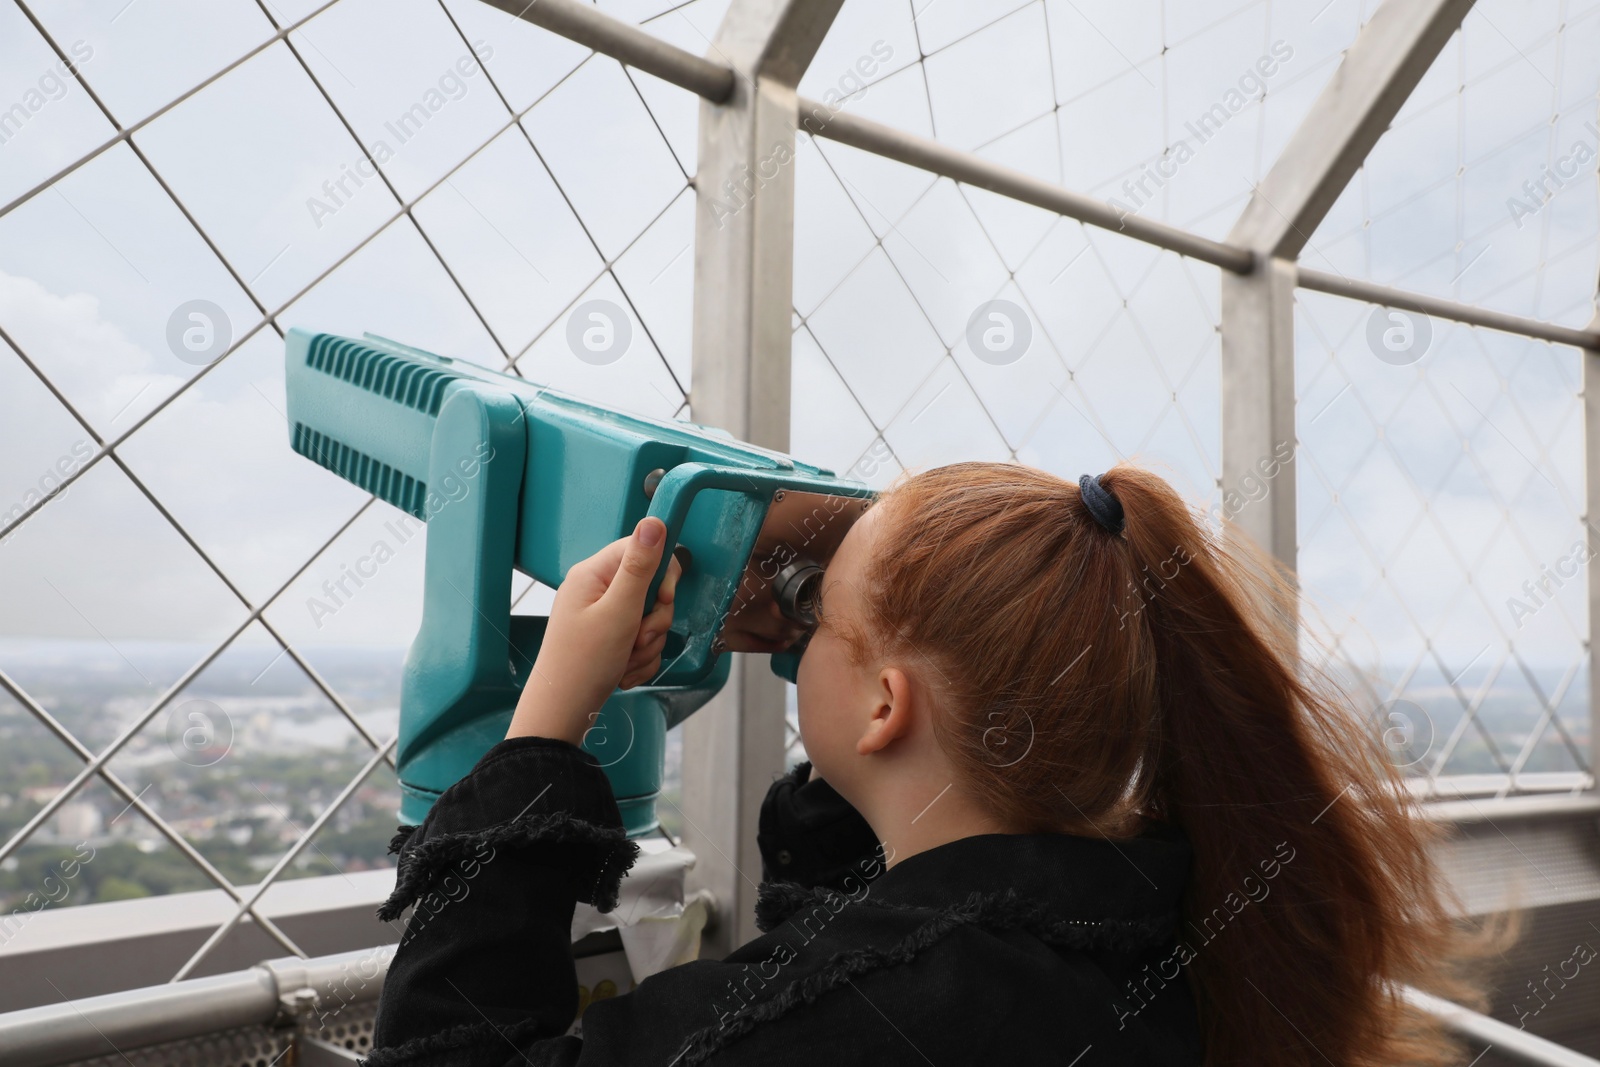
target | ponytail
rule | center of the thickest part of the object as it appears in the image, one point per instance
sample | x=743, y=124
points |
x=1093, y=677
x=1259, y=764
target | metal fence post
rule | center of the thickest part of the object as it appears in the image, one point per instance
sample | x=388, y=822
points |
x=744, y=265
x=1591, y=512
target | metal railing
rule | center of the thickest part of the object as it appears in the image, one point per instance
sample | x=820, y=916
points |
x=296, y=996
x=1488, y=1034
x=277, y=991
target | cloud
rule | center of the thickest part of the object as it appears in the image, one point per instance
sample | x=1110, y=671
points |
x=110, y=379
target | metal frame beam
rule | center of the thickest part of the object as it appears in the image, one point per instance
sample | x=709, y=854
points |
x=713, y=81
x=1379, y=71
x=1372, y=293
x=930, y=155
x=587, y=25
x=1258, y=402
x=1389, y=57
x=1591, y=513
x=743, y=303
x=747, y=48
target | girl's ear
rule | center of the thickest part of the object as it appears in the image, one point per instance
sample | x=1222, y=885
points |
x=891, y=718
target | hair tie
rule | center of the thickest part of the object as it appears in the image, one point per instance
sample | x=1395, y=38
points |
x=1102, y=504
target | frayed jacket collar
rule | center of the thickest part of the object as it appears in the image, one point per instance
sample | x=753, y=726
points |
x=1060, y=876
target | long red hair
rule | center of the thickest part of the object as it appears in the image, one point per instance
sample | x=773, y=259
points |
x=1089, y=682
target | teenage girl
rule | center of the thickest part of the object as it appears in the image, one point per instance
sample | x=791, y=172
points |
x=1072, y=798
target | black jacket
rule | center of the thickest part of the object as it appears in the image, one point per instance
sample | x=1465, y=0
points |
x=993, y=949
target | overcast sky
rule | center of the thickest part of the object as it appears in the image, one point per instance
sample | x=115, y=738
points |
x=590, y=200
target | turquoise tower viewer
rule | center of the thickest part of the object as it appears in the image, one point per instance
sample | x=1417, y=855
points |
x=509, y=474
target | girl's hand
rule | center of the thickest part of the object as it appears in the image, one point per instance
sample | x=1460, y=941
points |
x=598, y=639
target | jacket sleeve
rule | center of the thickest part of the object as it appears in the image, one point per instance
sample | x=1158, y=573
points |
x=483, y=972
x=810, y=834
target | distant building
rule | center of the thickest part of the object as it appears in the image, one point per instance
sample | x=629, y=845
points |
x=78, y=820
